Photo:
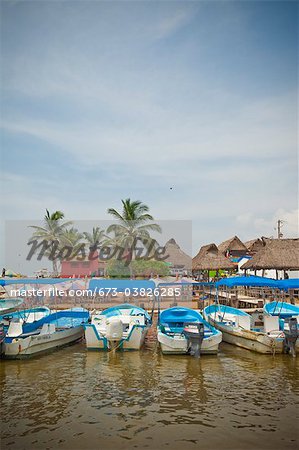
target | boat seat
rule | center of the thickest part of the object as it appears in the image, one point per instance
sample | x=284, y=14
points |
x=15, y=329
x=48, y=328
x=271, y=323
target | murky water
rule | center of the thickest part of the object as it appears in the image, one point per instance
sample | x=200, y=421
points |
x=74, y=399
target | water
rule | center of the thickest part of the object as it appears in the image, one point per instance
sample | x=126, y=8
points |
x=74, y=399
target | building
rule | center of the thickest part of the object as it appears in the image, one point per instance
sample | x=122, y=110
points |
x=209, y=258
x=233, y=247
x=279, y=255
x=254, y=245
x=84, y=268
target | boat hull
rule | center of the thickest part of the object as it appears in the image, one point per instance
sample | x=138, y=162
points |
x=250, y=340
x=178, y=345
x=36, y=344
x=96, y=341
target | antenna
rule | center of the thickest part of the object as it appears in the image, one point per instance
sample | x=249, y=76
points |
x=279, y=226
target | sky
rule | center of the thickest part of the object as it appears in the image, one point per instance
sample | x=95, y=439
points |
x=103, y=101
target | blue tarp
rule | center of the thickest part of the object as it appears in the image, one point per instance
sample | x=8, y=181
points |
x=292, y=283
x=186, y=283
x=248, y=281
x=7, y=281
x=96, y=284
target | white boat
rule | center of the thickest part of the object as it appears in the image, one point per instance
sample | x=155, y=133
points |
x=50, y=332
x=288, y=317
x=8, y=305
x=25, y=315
x=177, y=324
x=237, y=329
x=122, y=327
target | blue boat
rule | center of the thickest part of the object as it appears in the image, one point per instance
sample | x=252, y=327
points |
x=281, y=309
x=53, y=331
x=177, y=328
x=122, y=327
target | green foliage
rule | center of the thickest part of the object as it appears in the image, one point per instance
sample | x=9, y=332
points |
x=139, y=268
x=134, y=224
x=117, y=269
x=96, y=238
x=149, y=268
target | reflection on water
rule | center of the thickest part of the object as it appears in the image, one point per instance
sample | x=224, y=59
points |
x=73, y=399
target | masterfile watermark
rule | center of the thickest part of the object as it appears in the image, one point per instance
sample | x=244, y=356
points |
x=53, y=250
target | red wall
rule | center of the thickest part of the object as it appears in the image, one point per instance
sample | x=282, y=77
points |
x=79, y=268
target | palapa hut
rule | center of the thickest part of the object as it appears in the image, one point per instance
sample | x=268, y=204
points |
x=210, y=258
x=277, y=254
x=233, y=247
x=254, y=245
x=180, y=263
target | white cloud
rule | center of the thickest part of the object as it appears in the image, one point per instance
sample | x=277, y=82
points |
x=244, y=219
x=172, y=23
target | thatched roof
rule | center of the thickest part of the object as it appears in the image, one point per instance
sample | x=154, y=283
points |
x=176, y=256
x=233, y=243
x=279, y=254
x=210, y=258
x=254, y=244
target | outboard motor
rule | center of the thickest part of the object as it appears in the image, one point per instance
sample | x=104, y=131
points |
x=194, y=333
x=114, y=332
x=291, y=336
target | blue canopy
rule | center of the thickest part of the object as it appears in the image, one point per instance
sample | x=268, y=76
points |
x=186, y=283
x=6, y=281
x=291, y=283
x=96, y=284
x=248, y=281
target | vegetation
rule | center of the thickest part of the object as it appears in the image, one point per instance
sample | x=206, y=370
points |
x=141, y=268
x=52, y=231
x=96, y=238
x=133, y=227
x=59, y=240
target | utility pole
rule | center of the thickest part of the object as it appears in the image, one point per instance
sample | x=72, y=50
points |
x=279, y=226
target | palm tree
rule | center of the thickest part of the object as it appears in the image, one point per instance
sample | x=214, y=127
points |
x=71, y=242
x=95, y=238
x=135, y=224
x=51, y=233
x=56, y=215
